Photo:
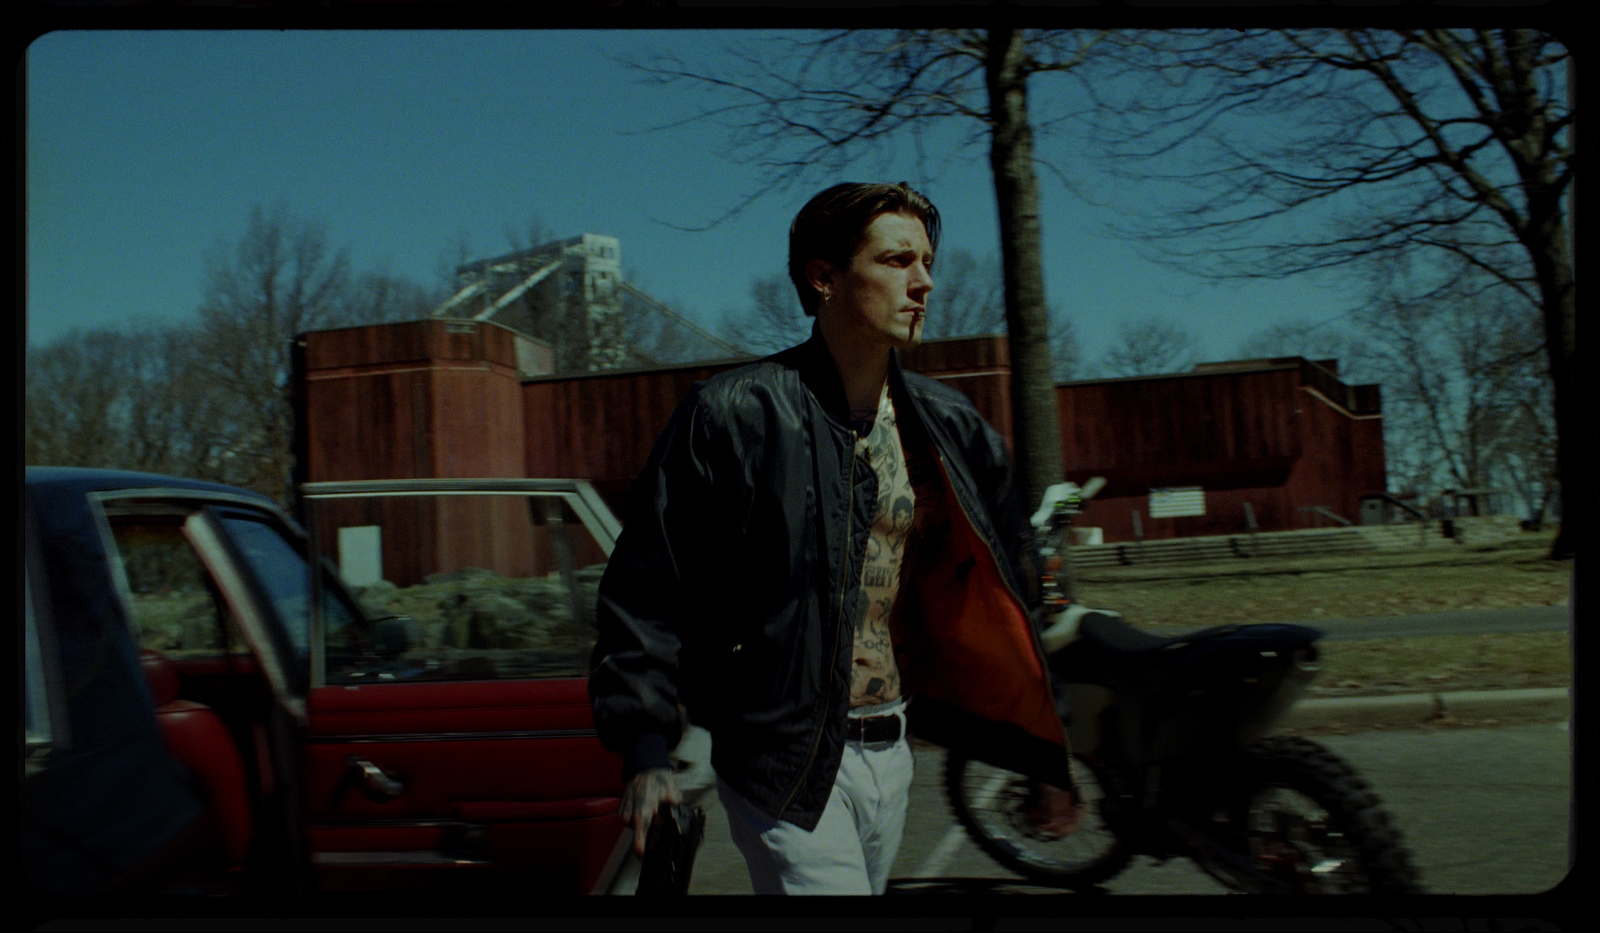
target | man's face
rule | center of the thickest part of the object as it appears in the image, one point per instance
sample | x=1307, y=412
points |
x=882, y=295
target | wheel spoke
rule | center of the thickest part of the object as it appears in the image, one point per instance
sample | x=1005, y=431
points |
x=990, y=802
x=1313, y=826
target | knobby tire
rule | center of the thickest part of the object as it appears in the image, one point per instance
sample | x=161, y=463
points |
x=1033, y=859
x=1383, y=864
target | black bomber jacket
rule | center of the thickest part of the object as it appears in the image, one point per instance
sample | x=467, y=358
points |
x=741, y=540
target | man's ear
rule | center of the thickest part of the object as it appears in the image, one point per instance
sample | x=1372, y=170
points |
x=819, y=273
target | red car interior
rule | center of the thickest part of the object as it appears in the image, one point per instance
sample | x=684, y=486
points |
x=197, y=737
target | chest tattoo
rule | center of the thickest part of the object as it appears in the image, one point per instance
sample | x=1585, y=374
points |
x=875, y=677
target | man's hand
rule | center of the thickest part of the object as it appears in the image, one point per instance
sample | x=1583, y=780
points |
x=1052, y=812
x=642, y=797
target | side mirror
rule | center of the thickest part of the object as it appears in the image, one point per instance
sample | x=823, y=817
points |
x=391, y=635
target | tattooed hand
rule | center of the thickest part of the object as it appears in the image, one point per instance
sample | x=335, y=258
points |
x=642, y=797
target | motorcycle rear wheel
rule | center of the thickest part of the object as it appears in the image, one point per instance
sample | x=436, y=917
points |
x=989, y=802
x=1309, y=824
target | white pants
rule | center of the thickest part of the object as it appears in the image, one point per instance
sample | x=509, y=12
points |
x=854, y=845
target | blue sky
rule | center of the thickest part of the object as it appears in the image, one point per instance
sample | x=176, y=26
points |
x=147, y=149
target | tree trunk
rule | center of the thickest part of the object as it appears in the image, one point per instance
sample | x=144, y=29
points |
x=1574, y=441
x=1036, y=429
x=1575, y=444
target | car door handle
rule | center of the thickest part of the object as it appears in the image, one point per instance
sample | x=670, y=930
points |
x=373, y=779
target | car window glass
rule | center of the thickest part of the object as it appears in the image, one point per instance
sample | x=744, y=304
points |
x=175, y=606
x=283, y=573
x=461, y=587
x=45, y=711
x=37, y=725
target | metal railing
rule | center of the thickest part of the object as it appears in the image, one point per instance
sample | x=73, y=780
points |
x=591, y=510
x=1325, y=512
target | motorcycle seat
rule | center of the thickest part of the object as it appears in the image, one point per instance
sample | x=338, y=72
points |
x=1109, y=651
x=1117, y=637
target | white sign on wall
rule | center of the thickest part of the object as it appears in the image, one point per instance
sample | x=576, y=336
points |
x=361, y=554
x=1177, y=502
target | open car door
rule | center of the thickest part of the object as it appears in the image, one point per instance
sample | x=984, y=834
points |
x=449, y=739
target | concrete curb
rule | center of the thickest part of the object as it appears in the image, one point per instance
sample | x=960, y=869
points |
x=1418, y=708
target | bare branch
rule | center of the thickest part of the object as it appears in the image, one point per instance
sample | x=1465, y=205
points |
x=1148, y=347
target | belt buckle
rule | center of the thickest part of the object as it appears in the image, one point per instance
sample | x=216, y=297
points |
x=859, y=730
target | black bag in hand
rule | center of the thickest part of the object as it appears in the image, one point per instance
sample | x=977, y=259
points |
x=669, y=849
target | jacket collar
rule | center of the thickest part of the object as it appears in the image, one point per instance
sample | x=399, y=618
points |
x=820, y=374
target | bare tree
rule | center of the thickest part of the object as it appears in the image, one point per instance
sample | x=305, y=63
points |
x=1066, y=357
x=969, y=300
x=805, y=106
x=385, y=298
x=73, y=390
x=207, y=400
x=134, y=400
x=281, y=278
x=966, y=302
x=773, y=321
x=1528, y=463
x=1333, y=339
x=967, y=296
x=452, y=257
x=1410, y=460
x=533, y=234
x=1149, y=347
x=1316, y=149
x=176, y=423
x=1466, y=394
x=656, y=333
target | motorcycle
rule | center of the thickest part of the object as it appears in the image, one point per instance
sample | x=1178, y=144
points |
x=1172, y=756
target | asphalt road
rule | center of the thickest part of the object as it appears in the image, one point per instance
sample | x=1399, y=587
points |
x=1484, y=811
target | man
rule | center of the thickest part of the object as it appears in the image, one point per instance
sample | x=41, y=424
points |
x=817, y=538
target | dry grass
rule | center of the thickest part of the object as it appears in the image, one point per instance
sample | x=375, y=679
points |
x=1496, y=661
x=1512, y=574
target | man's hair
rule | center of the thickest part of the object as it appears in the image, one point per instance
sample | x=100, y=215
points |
x=832, y=225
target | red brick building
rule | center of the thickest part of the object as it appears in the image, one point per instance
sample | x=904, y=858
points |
x=1273, y=438
x=441, y=398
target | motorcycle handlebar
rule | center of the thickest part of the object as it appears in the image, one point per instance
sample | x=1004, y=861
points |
x=1064, y=499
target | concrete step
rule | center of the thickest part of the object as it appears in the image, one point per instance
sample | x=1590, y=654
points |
x=1222, y=547
x=1302, y=543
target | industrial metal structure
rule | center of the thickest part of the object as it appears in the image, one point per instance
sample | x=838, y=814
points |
x=573, y=311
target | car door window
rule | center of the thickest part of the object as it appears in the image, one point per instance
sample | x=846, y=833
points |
x=173, y=602
x=283, y=573
x=461, y=587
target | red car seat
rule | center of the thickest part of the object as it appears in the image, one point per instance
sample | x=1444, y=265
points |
x=197, y=737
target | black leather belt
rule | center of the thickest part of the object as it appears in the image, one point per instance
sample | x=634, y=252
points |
x=870, y=729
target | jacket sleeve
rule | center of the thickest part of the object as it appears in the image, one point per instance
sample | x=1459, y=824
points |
x=643, y=595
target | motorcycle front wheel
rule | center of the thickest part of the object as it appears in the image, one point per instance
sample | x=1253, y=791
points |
x=989, y=802
x=1307, y=823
